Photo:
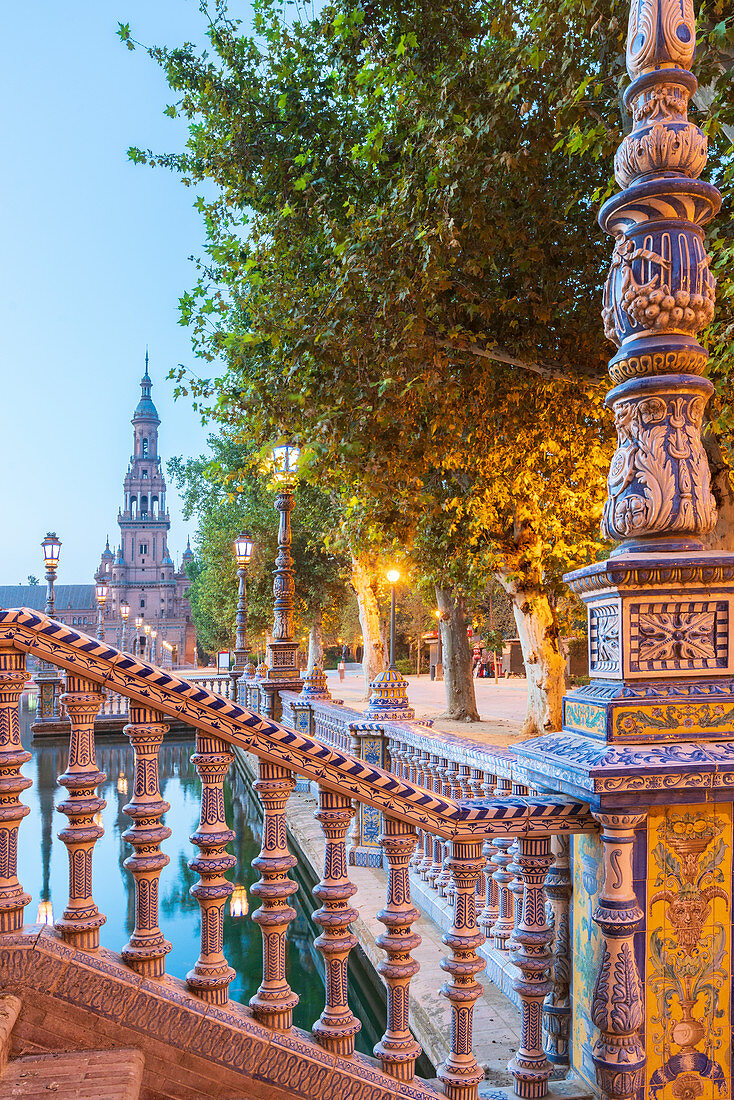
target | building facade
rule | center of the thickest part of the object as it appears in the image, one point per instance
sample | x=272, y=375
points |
x=142, y=572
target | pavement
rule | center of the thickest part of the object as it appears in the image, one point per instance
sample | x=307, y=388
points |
x=501, y=706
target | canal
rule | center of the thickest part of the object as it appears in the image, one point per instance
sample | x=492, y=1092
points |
x=43, y=867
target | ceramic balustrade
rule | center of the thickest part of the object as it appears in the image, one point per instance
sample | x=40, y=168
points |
x=466, y=861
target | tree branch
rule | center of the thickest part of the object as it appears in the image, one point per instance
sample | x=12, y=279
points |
x=545, y=370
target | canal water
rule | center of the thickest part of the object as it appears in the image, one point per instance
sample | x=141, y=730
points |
x=43, y=869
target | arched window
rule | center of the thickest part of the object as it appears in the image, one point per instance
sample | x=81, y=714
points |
x=145, y=448
x=143, y=507
x=133, y=507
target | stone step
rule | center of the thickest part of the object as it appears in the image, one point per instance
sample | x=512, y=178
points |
x=9, y=1009
x=76, y=1075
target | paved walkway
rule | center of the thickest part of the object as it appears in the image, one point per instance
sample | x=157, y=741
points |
x=501, y=706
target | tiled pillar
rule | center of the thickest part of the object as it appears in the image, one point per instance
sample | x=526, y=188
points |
x=368, y=743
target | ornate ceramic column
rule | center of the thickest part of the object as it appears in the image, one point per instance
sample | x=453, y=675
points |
x=211, y=975
x=13, y=898
x=274, y=1001
x=82, y=919
x=147, y=947
x=617, y=1007
x=659, y=609
x=337, y=1025
x=398, y=1050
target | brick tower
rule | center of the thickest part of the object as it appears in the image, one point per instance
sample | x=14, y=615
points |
x=142, y=571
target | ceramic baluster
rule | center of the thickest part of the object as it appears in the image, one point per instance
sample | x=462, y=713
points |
x=274, y=1001
x=557, y=1008
x=513, y=867
x=530, y=952
x=147, y=947
x=211, y=975
x=81, y=920
x=426, y=852
x=13, y=898
x=337, y=1026
x=505, y=921
x=617, y=1002
x=444, y=878
x=398, y=1050
x=434, y=870
x=460, y=1073
x=476, y=787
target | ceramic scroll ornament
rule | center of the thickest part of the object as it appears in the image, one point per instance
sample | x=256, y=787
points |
x=659, y=294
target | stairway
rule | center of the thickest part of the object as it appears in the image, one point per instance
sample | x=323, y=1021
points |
x=65, y=1075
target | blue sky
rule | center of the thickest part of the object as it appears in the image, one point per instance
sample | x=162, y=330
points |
x=94, y=256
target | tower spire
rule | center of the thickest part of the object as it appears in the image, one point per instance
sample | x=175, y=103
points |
x=146, y=375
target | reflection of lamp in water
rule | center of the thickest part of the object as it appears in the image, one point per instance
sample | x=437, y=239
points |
x=238, y=902
x=122, y=783
x=45, y=913
x=98, y=820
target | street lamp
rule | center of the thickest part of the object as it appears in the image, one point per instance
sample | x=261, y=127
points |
x=125, y=612
x=393, y=576
x=283, y=646
x=101, y=591
x=138, y=628
x=51, y=550
x=146, y=632
x=243, y=548
x=388, y=700
x=154, y=636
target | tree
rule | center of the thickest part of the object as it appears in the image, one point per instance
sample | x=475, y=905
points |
x=418, y=185
x=33, y=581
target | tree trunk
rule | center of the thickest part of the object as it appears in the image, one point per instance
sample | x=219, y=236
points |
x=461, y=703
x=316, y=643
x=545, y=665
x=365, y=587
x=722, y=536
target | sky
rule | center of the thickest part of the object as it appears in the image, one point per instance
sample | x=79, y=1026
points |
x=95, y=253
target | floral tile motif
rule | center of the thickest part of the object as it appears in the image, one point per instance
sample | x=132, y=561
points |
x=689, y=888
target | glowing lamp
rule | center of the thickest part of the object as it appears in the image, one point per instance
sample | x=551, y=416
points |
x=45, y=913
x=51, y=548
x=101, y=591
x=285, y=461
x=393, y=575
x=243, y=547
x=138, y=621
x=238, y=902
x=146, y=628
x=125, y=610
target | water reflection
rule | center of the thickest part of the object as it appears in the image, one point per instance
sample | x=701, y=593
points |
x=44, y=870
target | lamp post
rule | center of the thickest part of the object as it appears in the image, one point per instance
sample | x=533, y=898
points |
x=51, y=550
x=138, y=628
x=146, y=632
x=154, y=636
x=243, y=548
x=101, y=591
x=393, y=576
x=125, y=613
x=283, y=667
x=48, y=679
x=389, y=690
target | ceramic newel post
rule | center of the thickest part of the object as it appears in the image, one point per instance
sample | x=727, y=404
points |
x=656, y=721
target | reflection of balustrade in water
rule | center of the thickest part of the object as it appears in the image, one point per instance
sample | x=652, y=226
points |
x=411, y=820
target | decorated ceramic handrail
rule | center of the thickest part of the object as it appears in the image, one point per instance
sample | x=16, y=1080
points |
x=146, y=685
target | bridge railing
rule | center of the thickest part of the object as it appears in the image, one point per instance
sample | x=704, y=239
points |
x=409, y=813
